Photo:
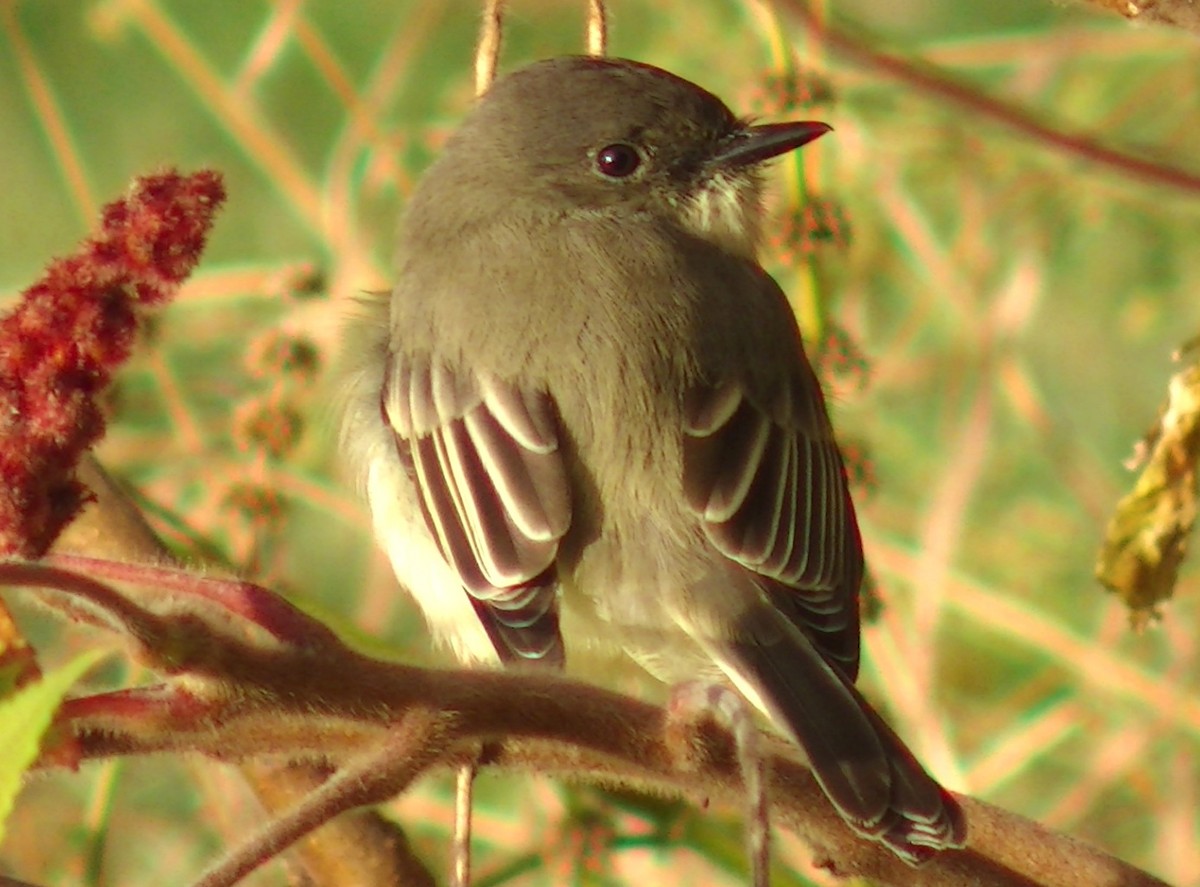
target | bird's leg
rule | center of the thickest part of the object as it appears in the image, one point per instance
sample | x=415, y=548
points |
x=690, y=705
x=460, y=861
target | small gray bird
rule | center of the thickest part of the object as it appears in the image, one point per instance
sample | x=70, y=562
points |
x=589, y=422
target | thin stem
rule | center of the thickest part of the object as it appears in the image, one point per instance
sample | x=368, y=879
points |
x=487, y=53
x=597, y=28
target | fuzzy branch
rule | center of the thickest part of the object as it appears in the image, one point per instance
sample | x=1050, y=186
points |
x=302, y=695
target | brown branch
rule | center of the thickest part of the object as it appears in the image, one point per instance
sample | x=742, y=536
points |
x=556, y=727
x=408, y=749
x=333, y=707
x=112, y=526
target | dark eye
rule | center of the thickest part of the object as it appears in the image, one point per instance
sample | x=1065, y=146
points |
x=618, y=161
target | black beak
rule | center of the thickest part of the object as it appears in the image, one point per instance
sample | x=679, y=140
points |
x=754, y=144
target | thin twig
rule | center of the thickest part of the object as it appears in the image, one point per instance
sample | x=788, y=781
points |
x=487, y=53
x=464, y=794
x=410, y=749
x=597, y=28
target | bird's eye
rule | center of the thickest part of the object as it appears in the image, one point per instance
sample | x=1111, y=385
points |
x=618, y=161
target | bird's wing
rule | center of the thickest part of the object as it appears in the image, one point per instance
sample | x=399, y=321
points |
x=771, y=490
x=484, y=456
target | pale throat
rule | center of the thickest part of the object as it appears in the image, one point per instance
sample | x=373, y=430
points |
x=726, y=211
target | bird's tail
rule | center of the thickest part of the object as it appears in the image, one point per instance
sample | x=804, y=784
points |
x=869, y=775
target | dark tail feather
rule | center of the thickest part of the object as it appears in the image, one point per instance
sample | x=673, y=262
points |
x=867, y=772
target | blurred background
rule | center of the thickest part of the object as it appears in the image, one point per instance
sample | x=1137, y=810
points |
x=993, y=307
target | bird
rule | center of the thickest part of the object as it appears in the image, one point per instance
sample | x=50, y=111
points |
x=585, y=420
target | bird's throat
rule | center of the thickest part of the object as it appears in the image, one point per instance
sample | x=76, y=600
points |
x=726, y=211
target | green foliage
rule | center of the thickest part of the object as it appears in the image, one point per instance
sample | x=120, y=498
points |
x=25, y=717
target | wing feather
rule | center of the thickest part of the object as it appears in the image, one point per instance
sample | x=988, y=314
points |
x=484, y=457
x=744, y=441
x=785, y=538
x=771, y=493
x=524, y=416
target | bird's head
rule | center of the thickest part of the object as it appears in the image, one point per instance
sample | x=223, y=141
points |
x=611, y=137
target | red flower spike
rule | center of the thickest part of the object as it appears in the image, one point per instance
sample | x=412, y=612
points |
x=68, y=334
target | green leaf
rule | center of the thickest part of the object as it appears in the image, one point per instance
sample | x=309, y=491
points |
x=24, y=719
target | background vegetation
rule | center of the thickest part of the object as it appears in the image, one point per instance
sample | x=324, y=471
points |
x=1002, y=311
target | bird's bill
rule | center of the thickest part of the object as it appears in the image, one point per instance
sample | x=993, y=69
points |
x=754, y=144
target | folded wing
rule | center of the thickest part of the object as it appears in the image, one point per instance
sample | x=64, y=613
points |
x=770, y=490
x=484, y=457
x=772, y=494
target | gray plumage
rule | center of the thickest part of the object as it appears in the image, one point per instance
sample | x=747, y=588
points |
x=588, y=419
